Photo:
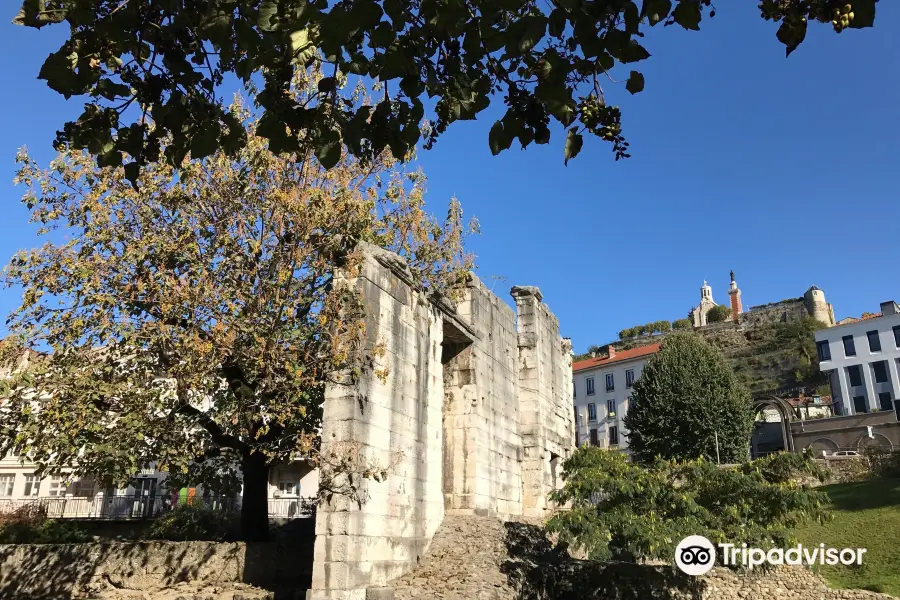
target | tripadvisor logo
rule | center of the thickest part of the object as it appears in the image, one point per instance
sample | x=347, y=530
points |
x=696, y=555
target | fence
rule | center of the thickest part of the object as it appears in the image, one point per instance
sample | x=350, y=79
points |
x=149, y=506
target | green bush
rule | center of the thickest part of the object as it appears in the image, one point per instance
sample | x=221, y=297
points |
x=189, y=522
x=884, y=462
x=718, y=314
x=682, y=324
x=30, y=525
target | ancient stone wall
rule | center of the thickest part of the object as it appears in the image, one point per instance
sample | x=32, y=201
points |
x=482, y=442
x=49, y=571
x=786, y=311
x=545, y=398
x=468, y=406
x=390, y=417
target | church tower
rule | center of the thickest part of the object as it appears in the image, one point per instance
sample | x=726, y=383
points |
x=735, y=292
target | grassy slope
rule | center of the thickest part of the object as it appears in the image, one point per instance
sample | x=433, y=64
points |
x=866, y=515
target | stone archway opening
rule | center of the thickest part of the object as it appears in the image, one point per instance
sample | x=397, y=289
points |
x=771, y=428
x=822, y=447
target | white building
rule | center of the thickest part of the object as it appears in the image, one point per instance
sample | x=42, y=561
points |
x=860, y=357
x=603, y=388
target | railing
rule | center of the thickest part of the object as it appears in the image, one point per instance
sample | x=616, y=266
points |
x=149, y=507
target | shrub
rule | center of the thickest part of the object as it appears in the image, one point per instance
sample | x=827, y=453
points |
x=624, y=511
x=883, y=462
x=189, y=522
x=30, y=525
x=718, y=314
x=682, y=324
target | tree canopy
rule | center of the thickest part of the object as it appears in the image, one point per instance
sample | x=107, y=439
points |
x=622, y=510
x=194, y=322
x=686, y=397
x=718, y=314
x=167, y=60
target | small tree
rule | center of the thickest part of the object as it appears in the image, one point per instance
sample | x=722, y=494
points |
x=718, y=314
x=687, y=396
x=681, y=324
x=625, y=511
x=194, y=320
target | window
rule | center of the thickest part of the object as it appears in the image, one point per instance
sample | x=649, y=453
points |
x=824, y=350
x=289, y=488
x=897, y=335
x=57, y=488
x=595, y=441
x=885, y=402
x=610, y=408
x=610, y=382
x=574, y=390
x=592, y=412
x=880, y=370
x=627, y=405
x=613, y=436
x=849, y=346
x=590, y=386
x=629, y=378
x=874, y=341
x=32, y=486
x=855, y=375
x=859, y=404
x=83, y=488
x=6, y=485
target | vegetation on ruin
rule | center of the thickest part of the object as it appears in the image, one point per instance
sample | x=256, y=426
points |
x=194, y=321
x=687, y=401
x=865, y=515
x=682, y=324
x=718, y=314
x=549, y=62
x=623, y=510
x=648, y=329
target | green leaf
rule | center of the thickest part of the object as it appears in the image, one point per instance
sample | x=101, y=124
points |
x=525, y=34
x=791, y=34
x=863, y=13
x=632, y=18
x=302, y=48
x=499, y=138
x=132, y=171
x=635, y=82
x=205, y=142
x=688, y=14
x=268, y=14
x=328, y=149
x=32, y=14
x=655, y=10
x=557, y=22
x=574, y=141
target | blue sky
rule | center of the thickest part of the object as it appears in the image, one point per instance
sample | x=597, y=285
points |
x=784, y=170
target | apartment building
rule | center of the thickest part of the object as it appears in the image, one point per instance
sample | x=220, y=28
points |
x=862, y=360
x=602, y=392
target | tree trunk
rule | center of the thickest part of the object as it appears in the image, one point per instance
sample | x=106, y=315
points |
x=255, y=503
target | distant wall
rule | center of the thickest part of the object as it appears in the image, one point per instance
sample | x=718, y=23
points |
x=848, y=432
x=50, y=571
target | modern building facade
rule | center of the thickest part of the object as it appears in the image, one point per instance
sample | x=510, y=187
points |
x=862, y=360
x=603, y=387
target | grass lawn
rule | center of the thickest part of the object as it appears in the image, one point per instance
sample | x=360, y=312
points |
x=866, y=515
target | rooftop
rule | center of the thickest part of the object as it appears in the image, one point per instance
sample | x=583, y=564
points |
x=616, y=357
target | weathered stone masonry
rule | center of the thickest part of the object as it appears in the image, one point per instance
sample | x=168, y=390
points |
x=471, y=405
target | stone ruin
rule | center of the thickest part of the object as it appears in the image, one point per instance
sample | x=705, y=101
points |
x=471, y=407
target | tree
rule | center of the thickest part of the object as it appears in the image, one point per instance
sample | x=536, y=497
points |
x=194, y=322
x=799, y=339
x=681, y=324
x=686, y=396
x=718, y=314
x=168, y=60
x=622, y=510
